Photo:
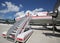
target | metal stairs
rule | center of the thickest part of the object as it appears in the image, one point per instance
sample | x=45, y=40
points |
x=18, y=27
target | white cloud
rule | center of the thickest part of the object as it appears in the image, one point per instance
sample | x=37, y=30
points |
x=34, y=12
x=3, y=4
x=40, y=9
x=20, y=14
x=21, y=5
x=51, y=12
x=37, y=10
x=28, y=11
x=10, y=7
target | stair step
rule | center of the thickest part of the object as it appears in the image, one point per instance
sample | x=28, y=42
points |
x=14, y=31
x=12, y=34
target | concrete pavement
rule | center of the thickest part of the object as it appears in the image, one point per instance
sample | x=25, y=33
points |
x=38, y=36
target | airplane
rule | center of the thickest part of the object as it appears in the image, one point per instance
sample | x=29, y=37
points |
x=39, y=18
x=19, y=31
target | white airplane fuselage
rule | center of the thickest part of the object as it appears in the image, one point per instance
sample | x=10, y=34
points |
x=39, y=18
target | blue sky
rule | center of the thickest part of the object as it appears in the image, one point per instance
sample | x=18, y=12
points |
x=9, y=8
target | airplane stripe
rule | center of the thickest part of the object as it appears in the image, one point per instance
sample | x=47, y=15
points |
x=40, y=16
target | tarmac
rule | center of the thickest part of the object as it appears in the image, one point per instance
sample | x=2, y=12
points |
x=39, y=35
x=4, y=27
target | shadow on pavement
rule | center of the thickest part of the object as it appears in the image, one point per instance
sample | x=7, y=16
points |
x=57, y=30
x=47, y=29
x=51, y=34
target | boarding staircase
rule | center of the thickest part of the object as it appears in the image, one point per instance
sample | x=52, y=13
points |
x=18, y=27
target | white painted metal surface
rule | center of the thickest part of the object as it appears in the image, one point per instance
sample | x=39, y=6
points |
x=18, y=28
x=24, y=36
